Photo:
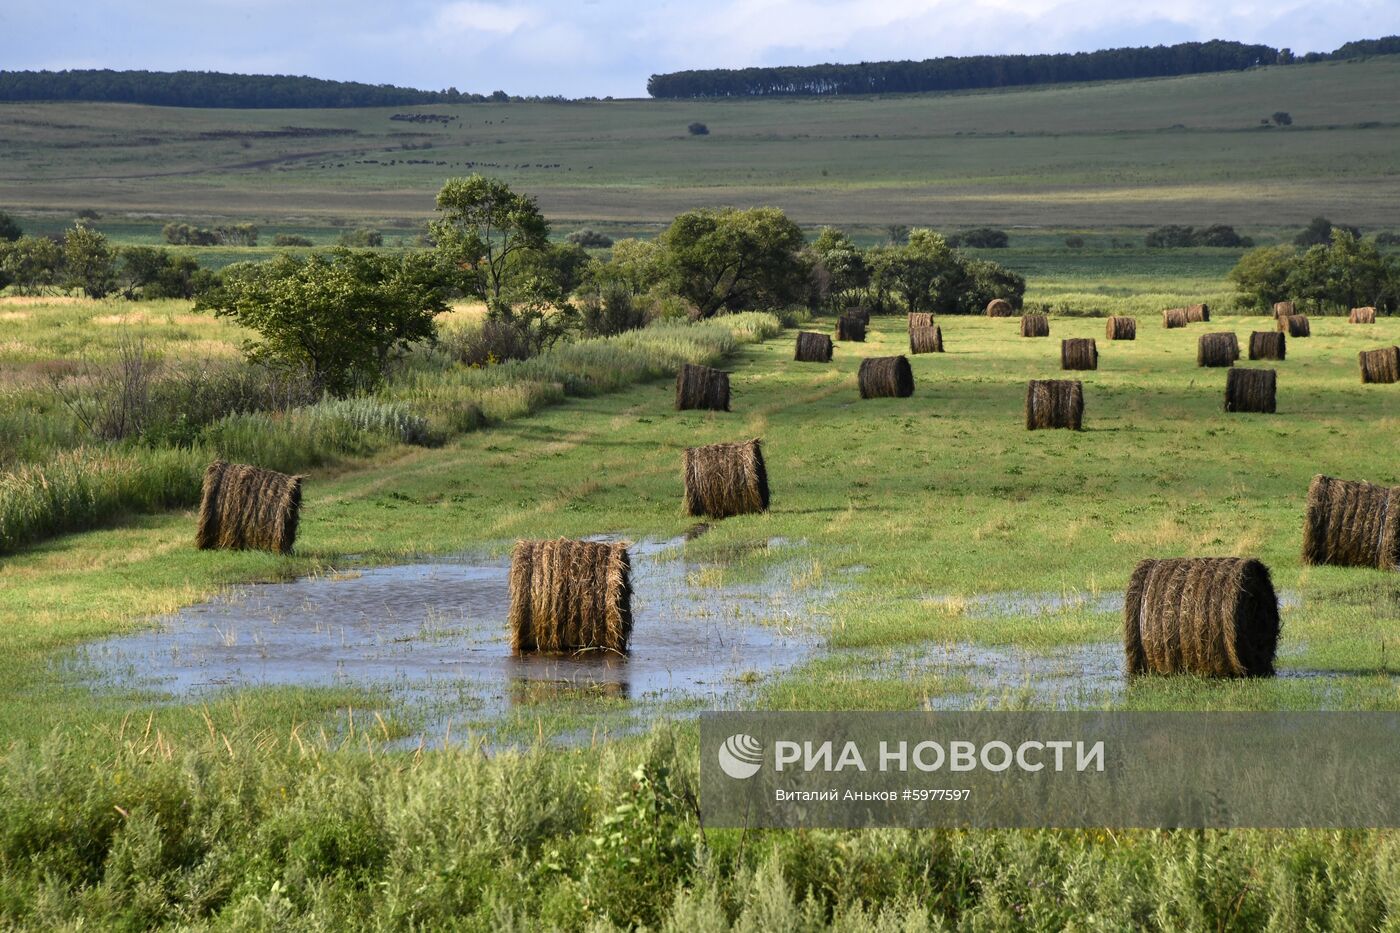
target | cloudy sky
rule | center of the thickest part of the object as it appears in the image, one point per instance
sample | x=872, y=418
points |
x=600, y=47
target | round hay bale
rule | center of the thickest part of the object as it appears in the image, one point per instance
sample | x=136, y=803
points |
x=862, y=314
x=1251, y=390
x=920, y=319
x=725, y=479
x=244, y=507
x=1296, y=325
x=1122, y=328
x=1362, y=316
x=850, y=328
x=1352, y=524
x=1054, y=403
x=1174, y=317
x=1197, y=314
x=926, y=339
x=886, y=377
x=1000, y=307
x=700, y=387
x=813, y=348
x=1381, y=365
x=1035, y=325
x=1284, y=309
x=570, y=596
x=1079, y=353
x=1210, y=616
x=1267, y=345
x=1220, y=349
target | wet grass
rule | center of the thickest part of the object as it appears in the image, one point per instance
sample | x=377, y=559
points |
x=914, y=506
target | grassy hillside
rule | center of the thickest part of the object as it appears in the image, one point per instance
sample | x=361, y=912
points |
x=1116, y=154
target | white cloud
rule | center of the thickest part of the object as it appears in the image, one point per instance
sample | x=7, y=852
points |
x=470, y=16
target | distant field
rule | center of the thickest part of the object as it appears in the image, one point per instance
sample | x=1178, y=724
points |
x=1112, y=155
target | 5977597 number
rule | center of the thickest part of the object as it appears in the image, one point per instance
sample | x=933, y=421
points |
x=952, y=794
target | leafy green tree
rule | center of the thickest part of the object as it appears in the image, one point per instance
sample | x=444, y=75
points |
x=843, y=261
x=137, y=268
x=1261, y=275
x=89, y=261
x=917, y=271
x=340, y=315
x=483, y=228
x=363, y=237
x=590, y=239
x=1319, y=232
x=9, y=228
x=637, y=264
x=32, y=263
x=897, y=234
x=731, y=260
x=980, y=238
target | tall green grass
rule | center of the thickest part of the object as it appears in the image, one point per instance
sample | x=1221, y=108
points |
x=249, y=830
x=88, y=487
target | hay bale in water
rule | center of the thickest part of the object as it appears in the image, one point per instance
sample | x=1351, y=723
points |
x=886, y=377
x=1198, y=314
x=1284, y=309
x=1000, y=307
x=1122, y=328
x=1054, y=403
x=700, y=387
x=1217, y=350
x=920, y=319
x=1267, y=345
x=1352, y=524
x=926, y=339
x=1251, y=390
x=1362, y=316
x=570, y=596
x=813, y=348
x=1210, y=616
x=1174, y=317
x=1079, y=353
x=850, y=328
x=248, y=508
x=725, y=479
x=1296, y=325
x=860, y=313
x=1381, y=365
x=1035, y=325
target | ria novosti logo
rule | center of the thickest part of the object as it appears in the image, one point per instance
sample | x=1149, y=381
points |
x=741, y=756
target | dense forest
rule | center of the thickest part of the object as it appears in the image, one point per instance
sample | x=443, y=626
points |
x=215, y=89
x=987, y=71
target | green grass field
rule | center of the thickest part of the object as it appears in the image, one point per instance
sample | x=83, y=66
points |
x=945, y=556
x=1110, y=155
x=915, y=508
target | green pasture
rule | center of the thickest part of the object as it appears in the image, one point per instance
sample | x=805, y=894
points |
x=1108, y=155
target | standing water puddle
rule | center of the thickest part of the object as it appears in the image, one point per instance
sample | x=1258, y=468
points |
x=436, y=630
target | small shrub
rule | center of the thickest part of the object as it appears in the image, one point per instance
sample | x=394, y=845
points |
x=698, y=129
x=612, y=312
x=291, y=239
x=590, y=239
x=1074, y=242
x=362, y=237
x=981, y=238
